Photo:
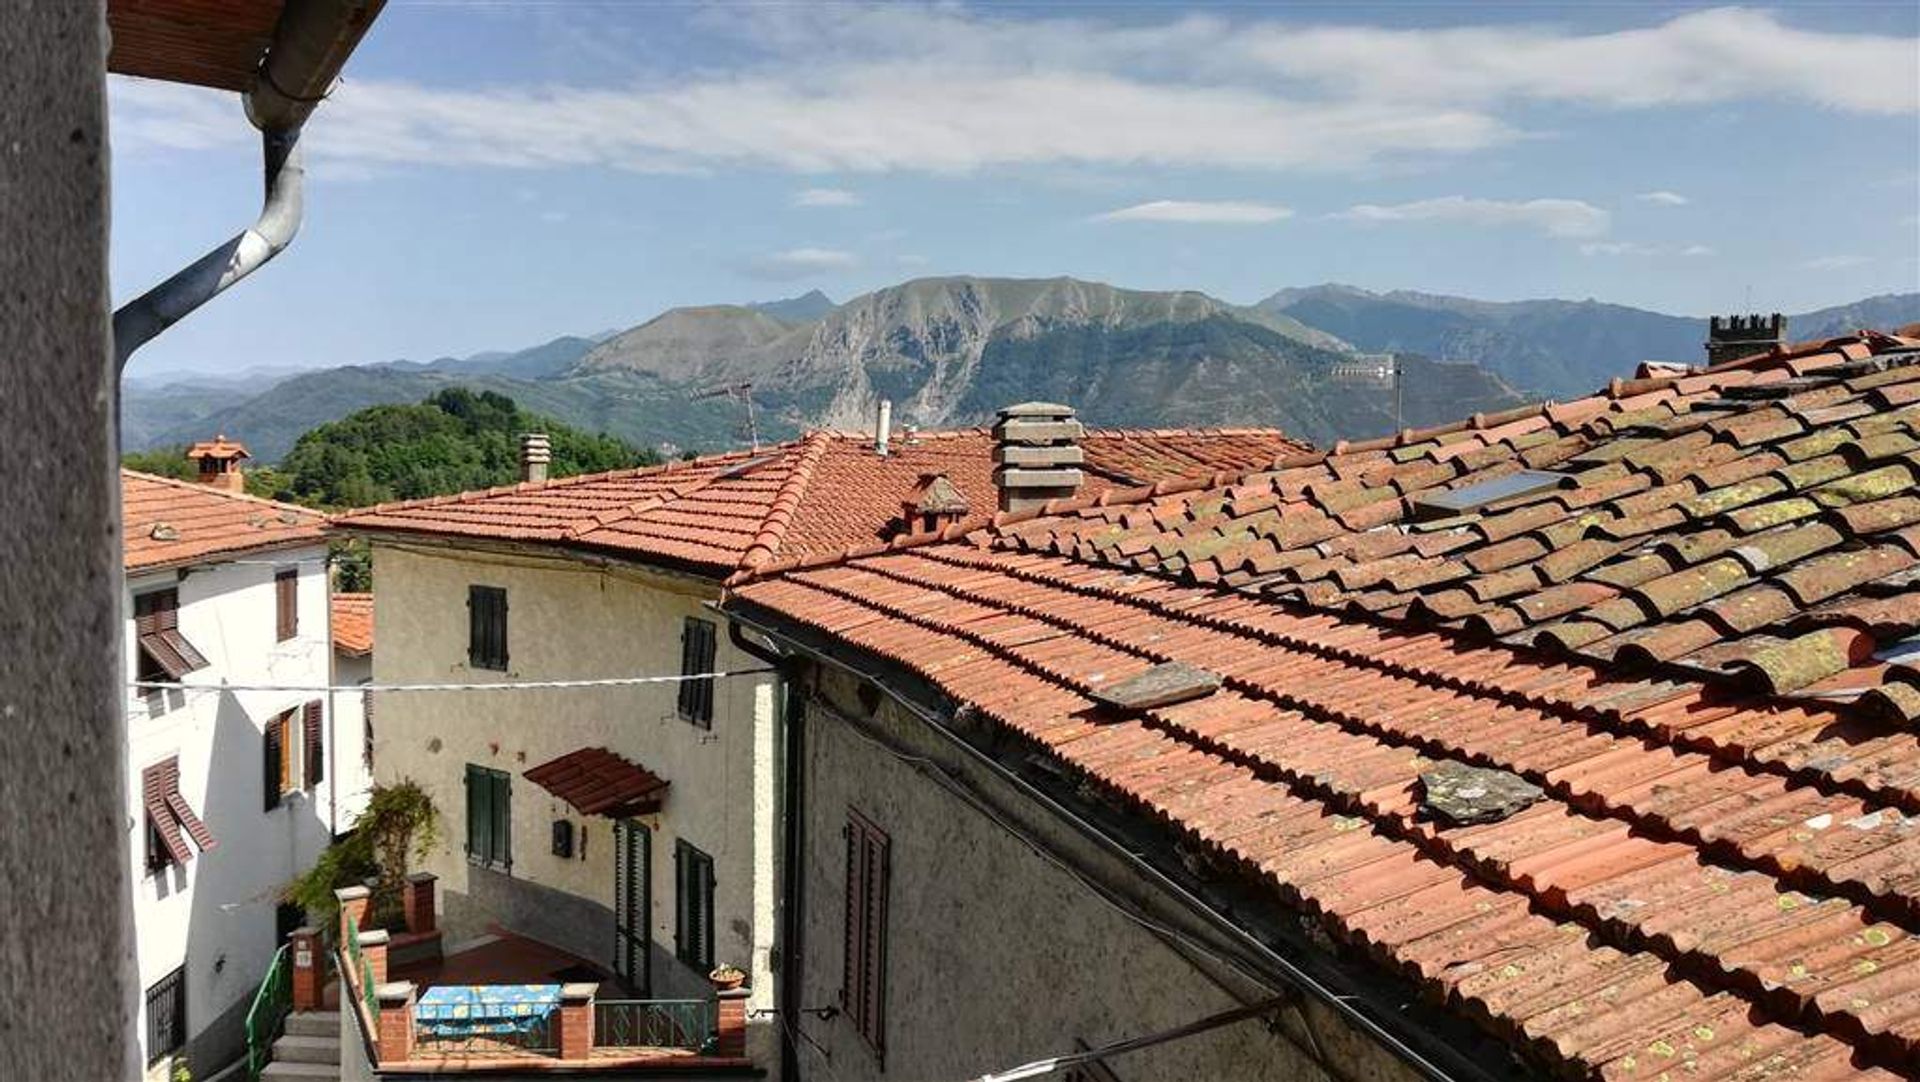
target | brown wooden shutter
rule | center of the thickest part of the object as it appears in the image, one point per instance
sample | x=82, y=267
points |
x=856, y=931
x=310, y=731
x=271, y=762
x=286, y=603
x=874, y=954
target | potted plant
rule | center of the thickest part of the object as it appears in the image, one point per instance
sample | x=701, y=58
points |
x=728, y=977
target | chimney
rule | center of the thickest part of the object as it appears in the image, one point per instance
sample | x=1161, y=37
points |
x=883, y=428
x=535, y=454
x=219, y=462
x=934, y=503
x=1730, y=338
x=1037, y=455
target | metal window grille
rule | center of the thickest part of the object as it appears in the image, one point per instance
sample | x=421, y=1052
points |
x=167, y=1016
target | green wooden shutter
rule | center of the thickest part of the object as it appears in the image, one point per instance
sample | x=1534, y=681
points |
x=479, y=817
x=680, y=899
x=502, y=808
x=476, y=637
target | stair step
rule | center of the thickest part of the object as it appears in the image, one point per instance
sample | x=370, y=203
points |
x=285, y=1069
x=297, y=1049
x=314, y=1024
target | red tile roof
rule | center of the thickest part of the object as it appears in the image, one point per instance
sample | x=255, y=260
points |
x=598, y=782
x=352, y=616
x=1719, y=881
x=169, y=523
x=824, y=492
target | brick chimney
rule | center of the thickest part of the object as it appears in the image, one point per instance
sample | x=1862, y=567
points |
x=1037, y=455
x=1730, y=338
x=219, y=462
x=535, y=454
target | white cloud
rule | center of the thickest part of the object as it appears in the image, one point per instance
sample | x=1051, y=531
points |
x=1635, y=248
x=1696, y=250
x=1664, y=198
x=1214, y=213
x=800, y=263
x=841, y=88
x=825, y=197
x=1836, y=262
x=1553, y=217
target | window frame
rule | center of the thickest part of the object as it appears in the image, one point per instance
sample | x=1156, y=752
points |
x=693, y=924
x=286, y=604
x=156, y=631
x=277, y=765
x=863, y=984
x=699, y=651
x=491, y=789
x=487, y=627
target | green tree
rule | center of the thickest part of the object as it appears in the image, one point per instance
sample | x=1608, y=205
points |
x=165, y=461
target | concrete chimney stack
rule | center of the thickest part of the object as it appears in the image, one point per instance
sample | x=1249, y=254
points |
x=1730, y=338
x=883, y=428
x=1036, y=455
x=536, y=453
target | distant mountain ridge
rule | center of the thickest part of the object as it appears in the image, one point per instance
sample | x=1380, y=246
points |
x=1554, y=347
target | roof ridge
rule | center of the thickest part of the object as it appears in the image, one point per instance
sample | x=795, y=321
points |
x=209, y=490
x=773, y=527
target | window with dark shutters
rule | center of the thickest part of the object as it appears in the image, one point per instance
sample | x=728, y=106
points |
x=489, y=817
x=273, y=760
x=693, y=906
x=165, y=654
x=697, y=649
x=286, y=604
x=310, y=733
x=487, y=627
x=863, y=987
x=167, y=1016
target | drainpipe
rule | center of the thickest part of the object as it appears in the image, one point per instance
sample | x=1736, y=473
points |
x=310, y=44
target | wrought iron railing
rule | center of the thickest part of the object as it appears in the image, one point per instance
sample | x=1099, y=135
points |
x=483, y=1024
x=653, y=1023
x=271, y=1005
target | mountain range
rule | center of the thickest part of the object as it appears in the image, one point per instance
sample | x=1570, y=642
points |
x=950, y=351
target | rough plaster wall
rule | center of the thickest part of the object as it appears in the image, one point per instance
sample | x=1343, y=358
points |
x=569, y=621
x=996, y=956
x=65, y=895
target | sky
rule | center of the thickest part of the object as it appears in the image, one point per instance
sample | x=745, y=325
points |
x=490, y=175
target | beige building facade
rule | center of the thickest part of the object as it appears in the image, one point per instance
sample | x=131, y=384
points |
x=573, y=618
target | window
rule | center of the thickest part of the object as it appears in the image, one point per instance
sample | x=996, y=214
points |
x=167, y=1016
x=276, y=759
x=696, y=656
x=165, y=654
x=487, y=627
x=159, y=857
x=489, y=817
x=170, y=820
x=693, y=906
x=862, y=991
x=311, y=730
x=286, y=604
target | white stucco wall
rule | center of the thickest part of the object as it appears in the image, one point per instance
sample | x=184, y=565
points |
x=997, y=955
x=215, y=914
x=353, y=782
x=568, y=619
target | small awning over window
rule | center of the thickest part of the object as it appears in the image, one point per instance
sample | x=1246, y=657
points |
x=169, y=813
x=598, y=782
x=156, y=620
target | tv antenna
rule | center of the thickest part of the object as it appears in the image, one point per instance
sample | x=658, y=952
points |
x=743, y=394
x=1375, y=370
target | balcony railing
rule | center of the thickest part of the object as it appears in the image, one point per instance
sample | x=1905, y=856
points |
x=269, y=1009
x=653, y=1023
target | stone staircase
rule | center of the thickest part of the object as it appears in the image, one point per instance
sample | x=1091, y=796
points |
x=309, y=1049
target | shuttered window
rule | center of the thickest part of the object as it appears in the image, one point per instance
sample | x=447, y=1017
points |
x=311, y=731
x=693, y=906
x=286, y=604
x=697, y=644
x=489, y=817
x=276, y=759
x=366, y=730
x=165, y=654
x=167, y=1016
x=487, y=627
x=863, y=987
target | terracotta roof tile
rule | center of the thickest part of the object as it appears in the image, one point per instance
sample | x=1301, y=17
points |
x=352, y=617
x=169, y=523
x=825, y=492
x=1718, y=880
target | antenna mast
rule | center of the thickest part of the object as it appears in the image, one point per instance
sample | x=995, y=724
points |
x=743, y=394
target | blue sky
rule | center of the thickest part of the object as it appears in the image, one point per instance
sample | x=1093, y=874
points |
x=490, y=175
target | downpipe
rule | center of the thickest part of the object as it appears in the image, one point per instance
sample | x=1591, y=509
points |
x=142, y=319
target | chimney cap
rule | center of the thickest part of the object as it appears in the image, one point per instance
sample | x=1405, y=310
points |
x=936, y=494
x=219, y=448
x=1036, y=409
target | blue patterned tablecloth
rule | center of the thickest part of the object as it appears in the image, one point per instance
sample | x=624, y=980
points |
x=470, y=1010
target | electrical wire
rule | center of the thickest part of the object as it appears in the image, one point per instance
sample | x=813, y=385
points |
x=1133, y=1044
x=517, y=685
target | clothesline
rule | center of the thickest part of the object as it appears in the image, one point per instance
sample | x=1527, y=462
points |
x=516, y=685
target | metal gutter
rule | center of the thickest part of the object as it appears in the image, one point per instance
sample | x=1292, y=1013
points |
x=310, y=45
x=1460, y=1063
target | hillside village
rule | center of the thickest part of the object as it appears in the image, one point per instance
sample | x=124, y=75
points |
x=1051, y=680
